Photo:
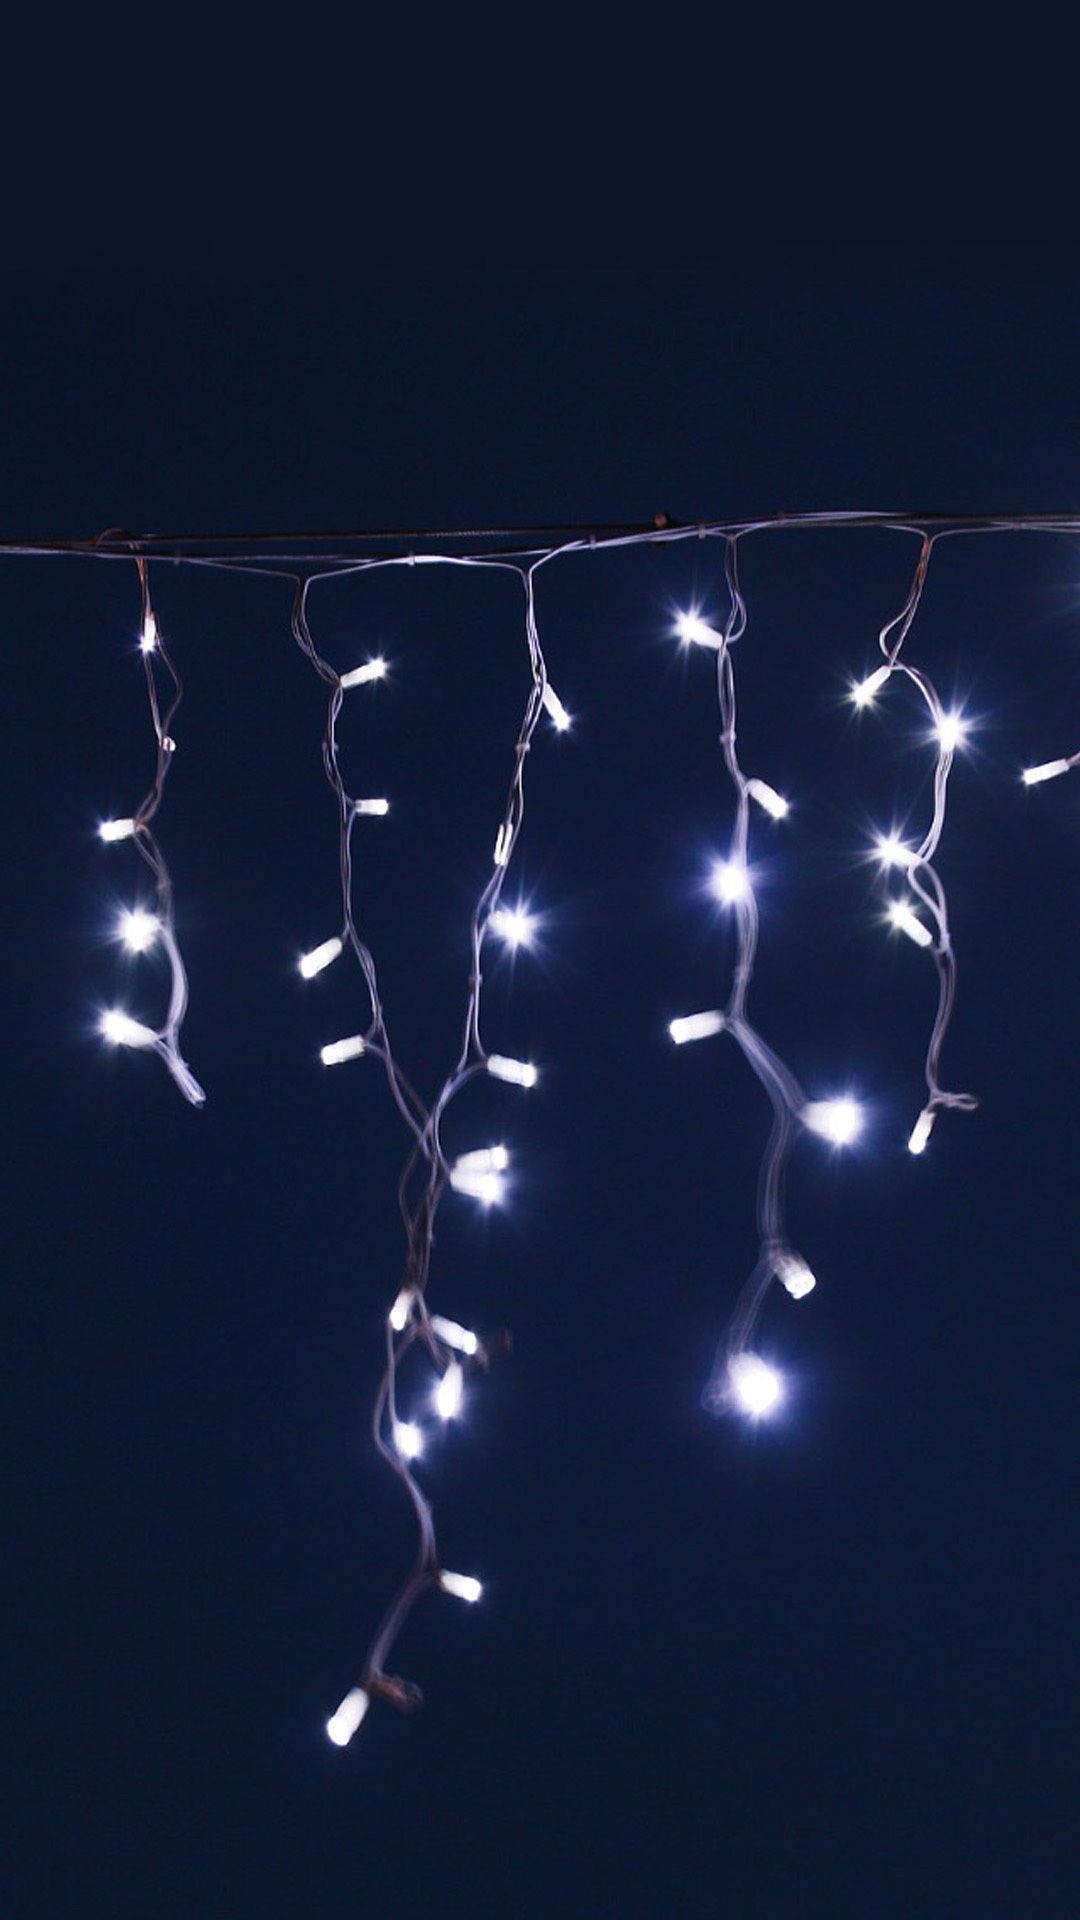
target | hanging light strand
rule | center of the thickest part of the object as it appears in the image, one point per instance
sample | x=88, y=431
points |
x=139, y=929
x=428, y=1171
x=948, y=732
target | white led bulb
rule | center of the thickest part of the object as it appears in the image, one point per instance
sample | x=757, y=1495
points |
x=519, y=1073
x=312, y=963
x=343, y=1724
x=359, y=676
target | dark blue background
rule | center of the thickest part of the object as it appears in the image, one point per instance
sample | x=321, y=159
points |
x=818, y=1668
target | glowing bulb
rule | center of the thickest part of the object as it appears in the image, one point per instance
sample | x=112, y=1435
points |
x=793, y=1273
x=138, y=930
x=519, y=1073
x=554, y=707
x=408, y=1439
x=121, y=1031
x=757, y=1387
x=336, y=1051
x=730, y=882
x=1049, y=770
x=461, y=1585
x=768, y=798
x=448, y=1394
x=836, y=1120
x=692, y=630
x=482, y=1160
x=452, y=1335
x=116, y=829
x=892, y=852
x=909, y=923
x=951, y=731
x=513, y=925
x=312, y=963
x=377, y=809
x=359, y=676
x=863, y=692
x=695, y=1026
x=149, y=638
x=503, y=843
x=921, y=1131
x=489, y=1187
x=343, y=1724
x=401, y=1309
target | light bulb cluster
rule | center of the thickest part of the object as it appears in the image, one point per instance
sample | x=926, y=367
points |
x=922, y=913
x=431, y=1359
x=142, y=930
x=741, y=1378
x=451, y=1351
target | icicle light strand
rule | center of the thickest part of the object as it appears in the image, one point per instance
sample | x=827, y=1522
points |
x=451, y=1353
x=450, y=1348
x=139, y=930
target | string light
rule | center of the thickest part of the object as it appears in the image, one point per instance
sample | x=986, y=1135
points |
x=837, y=1120
x=120, y=1030
x=450, y=1392
x=767, y=797
x=696, y=1026
x=892, y=852
x=794, y=1274
x=399, y=1313
x=461, y=1585
x=513, y=925
x=907, y=922
x=741, y=1377
x=140, y=929
x=343, y=1724
x=482, y=1160
x=758, y=1389
x=408, y=1439
x=518, y=1073
x=865, y=691
x=951, y=732
x=555, y=710
x=310, y=964
x=338, y=1051
x=693, y=631
x=1050, y=770
x=730, y=882
x=454, y=1336
x=359, y=676
x=410, y=1327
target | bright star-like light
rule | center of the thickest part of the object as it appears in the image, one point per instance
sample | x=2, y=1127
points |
x=757, y=1387
x=951, y=732
x=894, y=852
x=730, y=882
x=692, y=630
x=138, y=930
x=837, y=1120
x=513, y=925
x=864, y=691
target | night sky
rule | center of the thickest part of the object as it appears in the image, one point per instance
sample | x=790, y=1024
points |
x=814, y=1666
